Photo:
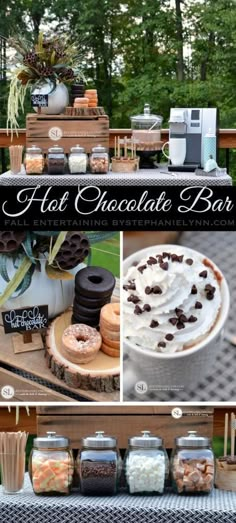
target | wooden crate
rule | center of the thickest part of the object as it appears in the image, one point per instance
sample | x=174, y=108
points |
x=66, y=131
x=123, y=421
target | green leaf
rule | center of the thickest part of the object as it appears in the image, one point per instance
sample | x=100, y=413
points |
x=16, y=280
x=57, y=245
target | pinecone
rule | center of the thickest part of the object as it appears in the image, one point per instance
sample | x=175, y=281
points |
x=10, y=241
x=30, y=59
x=73, y=250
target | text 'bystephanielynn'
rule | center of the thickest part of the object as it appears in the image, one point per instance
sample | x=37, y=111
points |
x=91, y=199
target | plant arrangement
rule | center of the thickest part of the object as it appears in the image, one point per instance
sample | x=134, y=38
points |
x=52, y=60
x=62, y=251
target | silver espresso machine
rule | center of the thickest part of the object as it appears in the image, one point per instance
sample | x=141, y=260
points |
x=192, y=124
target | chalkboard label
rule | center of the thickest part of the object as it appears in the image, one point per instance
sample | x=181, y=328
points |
x=39, y=100
x=26, y=319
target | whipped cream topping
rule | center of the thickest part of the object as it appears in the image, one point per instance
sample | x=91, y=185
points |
x=171, y=300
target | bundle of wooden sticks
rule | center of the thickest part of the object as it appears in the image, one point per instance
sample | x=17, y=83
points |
x=12, y=460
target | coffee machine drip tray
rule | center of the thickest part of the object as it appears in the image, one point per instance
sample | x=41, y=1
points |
x=185, y=168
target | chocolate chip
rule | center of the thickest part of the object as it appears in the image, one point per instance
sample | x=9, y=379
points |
x=154, y=324
x=142, y=268
x=192, y=319
x=130, y=287
x=152, y=261
x=157, y=290
x=189, y=261
x=125, y=287
x=180, y=325
x=161, y=344
x=164, y=266
x=178, y=312
x=174, y=257
x=194, y=289
x=210, y=295
x=148, y=290
x=203, y=274
x=137, y=310
x=147, y=307
x=134, y=264
x=183, y=318
x=169, y=337
x=159, y=257
x=198, y=305
x=210, y=288
x=133, y=298
x=173, y=321
x=180, y=258
x=166, y=255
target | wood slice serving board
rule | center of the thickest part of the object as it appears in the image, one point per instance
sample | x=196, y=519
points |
x=102, y=374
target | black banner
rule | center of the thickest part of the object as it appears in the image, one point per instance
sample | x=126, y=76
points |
x=39, y=100
x=26, y=319
x=118, y=208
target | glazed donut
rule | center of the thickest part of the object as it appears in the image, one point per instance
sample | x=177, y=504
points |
x=110, y=316
x=80, y=343
x=94, y=282
x=114, y=353
x=114, y=344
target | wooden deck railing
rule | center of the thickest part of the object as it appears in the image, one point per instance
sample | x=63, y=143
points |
x=227, y=141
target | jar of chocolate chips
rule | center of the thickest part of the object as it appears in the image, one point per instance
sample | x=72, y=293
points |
x=56, y=160
x=99, y=465
x=192, y=464
x=99, y=160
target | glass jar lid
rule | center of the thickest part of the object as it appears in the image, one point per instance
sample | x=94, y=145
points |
x=99, y=149
x=52, y=440
x=77, y=149
x=56, y=149
x=98, y=440
x=34, y=149
x=147, y=118
x=147, y=440
x=192, y=440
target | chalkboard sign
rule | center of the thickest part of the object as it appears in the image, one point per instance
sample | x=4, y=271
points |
x=26, y=319
x=39, y=100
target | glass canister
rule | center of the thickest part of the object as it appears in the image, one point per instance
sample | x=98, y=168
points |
x=99, y=160
x=56, y=160
x=192, y=464
x=146, y=465
x=146, y=130
x=99, y=465
x=51, y=465
x=77, y=160
x=34, y=160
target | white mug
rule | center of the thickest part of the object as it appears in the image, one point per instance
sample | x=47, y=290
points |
x=177, y=150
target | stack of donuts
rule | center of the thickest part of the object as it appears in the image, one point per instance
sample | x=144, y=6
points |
x=81, y=102
x=93, y=289
x=92, y=96
x=110, y=329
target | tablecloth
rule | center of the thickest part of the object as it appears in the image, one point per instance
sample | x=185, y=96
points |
x=218, y=507
x=220, y=385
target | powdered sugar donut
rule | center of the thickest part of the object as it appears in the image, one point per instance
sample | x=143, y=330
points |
x=80, y=343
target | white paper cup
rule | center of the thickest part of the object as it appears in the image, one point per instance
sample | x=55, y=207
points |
x=180, y=369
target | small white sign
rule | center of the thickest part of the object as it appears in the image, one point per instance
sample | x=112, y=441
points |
x=7, y=392
x=176, y=413
x=55, y=133
x=141, y=387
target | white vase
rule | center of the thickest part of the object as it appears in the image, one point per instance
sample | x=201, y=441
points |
x=57, y=294
x=58, y=98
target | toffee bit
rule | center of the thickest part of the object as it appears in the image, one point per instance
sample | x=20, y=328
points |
x=173, y=321
x=169, y=337
x=192, y=319
x=152, y=261
x=147, y=307
x=142, y=268
x=134, y=299
x=157, y=290
x=154, y=324
x=148, y=290
x=203, y=274
x=189, y=261
x=194, y=289
x=137, y=310
x=164, y=266
x=198, y=305
x=180, y=325
x=161, y=344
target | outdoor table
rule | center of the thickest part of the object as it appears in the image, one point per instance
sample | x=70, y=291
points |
x=143, y=177
x=219, y=506
x=219, y=385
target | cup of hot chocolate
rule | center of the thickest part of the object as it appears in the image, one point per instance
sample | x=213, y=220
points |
x=175, y=305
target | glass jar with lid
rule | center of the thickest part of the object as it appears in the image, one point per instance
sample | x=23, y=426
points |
x=51, y=465
x=77, y=160
x=99, y=465
x=56, y=160
x=146, y=464
x=192, y=464
x=146, y=130
x=99, y=160
x=34, y=160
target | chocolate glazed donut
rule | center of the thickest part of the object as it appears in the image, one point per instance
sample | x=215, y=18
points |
x=92, y=321
x=94, y=282
x=90, y=303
